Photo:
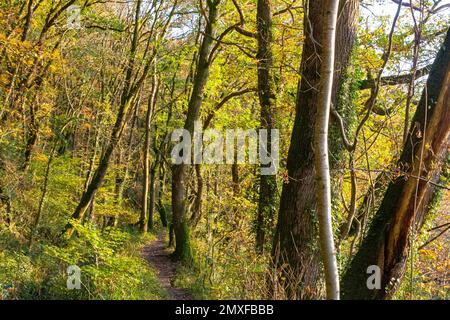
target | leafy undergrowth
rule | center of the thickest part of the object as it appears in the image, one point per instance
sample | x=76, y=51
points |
x=235, y=273
x=109, y=260
x=430, y=276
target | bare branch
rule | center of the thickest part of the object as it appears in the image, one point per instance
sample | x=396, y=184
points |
x=434, y=238
x=210, y=115
x=395, y=80
x=288, y=9
x=408, y=5
x=239, y=27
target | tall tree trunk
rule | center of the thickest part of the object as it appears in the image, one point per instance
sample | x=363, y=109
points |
x=268, y=183
x=295, y=250
x=321, y=164
x=408, y=195
x=158, y=174
x=180, y=224
x=160, y=206
x=146, y=221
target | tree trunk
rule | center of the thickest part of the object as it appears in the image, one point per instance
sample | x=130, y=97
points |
x=145, y=220
x=295, y=251
x=408, y=195
x=159, y=185
x=321, y=164
x=32, y=135
x=197, y=209
x=27, y=24
x=268, y=183
x=180, y=224
x=44, y=190
x=235, y=177
x=151, y=200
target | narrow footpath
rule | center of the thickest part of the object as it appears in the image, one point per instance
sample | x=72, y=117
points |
x=157, y=254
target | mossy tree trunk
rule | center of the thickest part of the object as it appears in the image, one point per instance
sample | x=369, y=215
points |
x=179, y=219
x=268, y=183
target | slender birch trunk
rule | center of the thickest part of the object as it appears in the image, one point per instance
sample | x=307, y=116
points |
x=323, y=188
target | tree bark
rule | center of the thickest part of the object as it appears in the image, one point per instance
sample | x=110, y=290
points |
x=151, y=200
x=235, y=177
x=408, y=195
x=32, y=136
x=266, y=95
x=321, y=163
x=197, y=209
x=27, y=24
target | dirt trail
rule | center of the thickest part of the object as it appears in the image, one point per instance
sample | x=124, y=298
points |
x=158, y=256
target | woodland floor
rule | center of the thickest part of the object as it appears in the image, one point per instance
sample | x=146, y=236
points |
x=157, y=254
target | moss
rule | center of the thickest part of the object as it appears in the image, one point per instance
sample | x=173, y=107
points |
x=345, y=106
x=183, y=250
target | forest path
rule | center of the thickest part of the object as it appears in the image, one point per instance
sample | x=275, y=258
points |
x=158, y=256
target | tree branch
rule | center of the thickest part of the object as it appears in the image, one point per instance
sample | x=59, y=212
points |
x=394, y=80
x=239, y=27
x=408, y=5
x=288, y=8
x=434, y=238
x=210, y=115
